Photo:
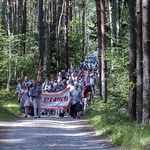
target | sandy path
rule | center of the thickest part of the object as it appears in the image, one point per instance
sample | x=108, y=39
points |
x=50, y=133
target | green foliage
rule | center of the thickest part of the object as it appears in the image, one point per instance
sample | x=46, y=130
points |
x=117, y=74
x=113, y=123
x=12, y=55
x=117, y=58
x=9, y=106
x=75, y=41
x=9, y=110
x=5, y=95
x=111, y=119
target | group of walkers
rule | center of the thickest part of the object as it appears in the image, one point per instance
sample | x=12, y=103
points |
x=82, y=81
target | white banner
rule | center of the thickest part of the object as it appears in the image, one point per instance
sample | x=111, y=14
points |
x=56, y=100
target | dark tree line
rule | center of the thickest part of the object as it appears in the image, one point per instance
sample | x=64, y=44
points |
x=139, y=98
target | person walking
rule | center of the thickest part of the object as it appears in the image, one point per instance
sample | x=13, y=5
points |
x=39, y=92
x=20, y=97
x=24, y=99
x=85, y=94
x=59, y=87
x=33, y=95
x=47, y=86
x=18, y=87
x=76, y=106
x=92, y=82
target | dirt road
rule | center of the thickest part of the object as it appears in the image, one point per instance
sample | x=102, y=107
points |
x=50, y=133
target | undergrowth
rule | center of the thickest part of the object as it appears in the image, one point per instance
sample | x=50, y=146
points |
x=9, y=106
x=112, y=122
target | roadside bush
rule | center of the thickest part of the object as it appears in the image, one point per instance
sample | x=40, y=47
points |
x=109, y=122
x=6, y=95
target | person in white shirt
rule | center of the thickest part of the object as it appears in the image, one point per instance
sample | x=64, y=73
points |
x=73, y=76
x=76, y=106
x=24, y=99
x=92, y=82
x=70, y=84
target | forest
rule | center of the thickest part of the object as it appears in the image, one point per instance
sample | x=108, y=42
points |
x=56, y=33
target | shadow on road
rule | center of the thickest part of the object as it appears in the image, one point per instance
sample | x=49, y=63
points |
x=51, y=133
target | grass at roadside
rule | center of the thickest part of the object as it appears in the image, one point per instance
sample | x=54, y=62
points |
x=9, y=107
x=115, y=125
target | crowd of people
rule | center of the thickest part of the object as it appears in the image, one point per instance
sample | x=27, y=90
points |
x=81, y=80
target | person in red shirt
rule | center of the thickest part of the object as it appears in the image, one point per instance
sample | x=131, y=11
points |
x=85, y=95
x=86, y=90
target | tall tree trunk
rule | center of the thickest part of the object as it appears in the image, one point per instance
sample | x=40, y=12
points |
x=59, y=23
x=41, y=33
x=15, y=17
x=86, y=34
x=1, y=12
x=103, y=47
x=57, y=36
x=99, y=35
x=35, y=16
x=132, y=75
x=54, y=28
x=20, y=7
x=54, y=16
x=112, y=34
x=116, y=22
x=10, y=54
x=110, y=4
x=146, y=61
x=139, y=60
x=70, y=8
x=24, y=27
x=48, y=50
x=74, y=10
x=83, y=30
x=60, y=49
x=31, y=16
x=66, y=34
